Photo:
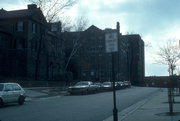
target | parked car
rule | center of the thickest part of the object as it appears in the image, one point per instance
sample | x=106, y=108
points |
x=127, y=83
x=107, y=86
x=11, y=92
x=83, y=87
x=99, y=85
x=121, y=85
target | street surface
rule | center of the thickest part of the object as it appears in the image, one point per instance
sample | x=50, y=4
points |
x=93, y=107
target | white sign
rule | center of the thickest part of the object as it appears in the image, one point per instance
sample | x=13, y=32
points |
x=111, y=41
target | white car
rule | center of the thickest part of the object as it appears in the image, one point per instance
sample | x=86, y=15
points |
x=11, y=92
x=83, y=87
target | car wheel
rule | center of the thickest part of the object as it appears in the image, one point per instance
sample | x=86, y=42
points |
x=96, y=90
x=1, y=102
x=86, y=92
x=21, y=100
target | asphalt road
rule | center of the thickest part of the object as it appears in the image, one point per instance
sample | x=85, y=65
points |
x=94, y=107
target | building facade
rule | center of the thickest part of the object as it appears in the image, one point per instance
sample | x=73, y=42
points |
x=28, y=47
x=135, y=58
x=95, y=64
x=32, y=48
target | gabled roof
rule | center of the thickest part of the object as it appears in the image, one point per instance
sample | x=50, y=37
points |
x=13, y=14
x=16, y=13
x=93, y=28
x=24, y=13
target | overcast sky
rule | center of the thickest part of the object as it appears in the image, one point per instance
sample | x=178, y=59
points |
x=155, y=20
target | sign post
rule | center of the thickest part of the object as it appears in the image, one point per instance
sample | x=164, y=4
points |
x=111, y=42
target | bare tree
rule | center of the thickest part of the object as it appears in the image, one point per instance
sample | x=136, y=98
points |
x=53, y=8
x=37, y=44
x=80, y=25
x=148, y=45
x=66, y=24
x=75, y=47
x=169, y=54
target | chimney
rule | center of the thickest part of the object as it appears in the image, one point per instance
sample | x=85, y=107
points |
x=55, y=27
x=118, y=27
x=32, y=6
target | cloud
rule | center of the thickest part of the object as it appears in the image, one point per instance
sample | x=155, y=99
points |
x=156, y=70
x=149, y=16
x=13, y=4
x=138, y=15
x=9, y=1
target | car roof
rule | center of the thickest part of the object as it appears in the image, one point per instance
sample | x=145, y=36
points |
x=107, y=83
x=85, y=81
x=9, y=83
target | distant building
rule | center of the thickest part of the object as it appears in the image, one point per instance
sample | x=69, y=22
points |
x=28, y=47
x=91, y=62
x=136, y=58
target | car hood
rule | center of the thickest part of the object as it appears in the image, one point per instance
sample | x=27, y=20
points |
x=106, y=86
x=78, y=86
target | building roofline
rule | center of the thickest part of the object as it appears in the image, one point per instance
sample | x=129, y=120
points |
x=22, y=13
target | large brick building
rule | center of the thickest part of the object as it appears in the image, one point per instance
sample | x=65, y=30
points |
x=29, y=46
x=93, y=63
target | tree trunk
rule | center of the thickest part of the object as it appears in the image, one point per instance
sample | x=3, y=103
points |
x=38, y=55
x=170, y=100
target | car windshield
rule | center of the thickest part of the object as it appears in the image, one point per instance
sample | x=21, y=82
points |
x=97, y=83
x=1, y=87
x=107, y=83
x=81, y=84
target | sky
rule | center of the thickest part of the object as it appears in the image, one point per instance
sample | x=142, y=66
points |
x=156, y=21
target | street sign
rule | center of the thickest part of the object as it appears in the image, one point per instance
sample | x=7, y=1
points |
x=111, y=42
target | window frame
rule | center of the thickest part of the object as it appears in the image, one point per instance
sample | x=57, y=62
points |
x=20, y=26
x=34, y=28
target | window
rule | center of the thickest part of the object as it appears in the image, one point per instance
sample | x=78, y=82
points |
x=16, y=87
x=1, y=87
x=34, y=28
x=92, y=73
x=20, y=26
x=20, y=43
x=8, y=87
x=54, y=28
x=84, y=74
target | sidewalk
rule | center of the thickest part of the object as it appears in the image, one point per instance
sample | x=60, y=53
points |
x=154, y=108
x=39, y=92
x=34, y=94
